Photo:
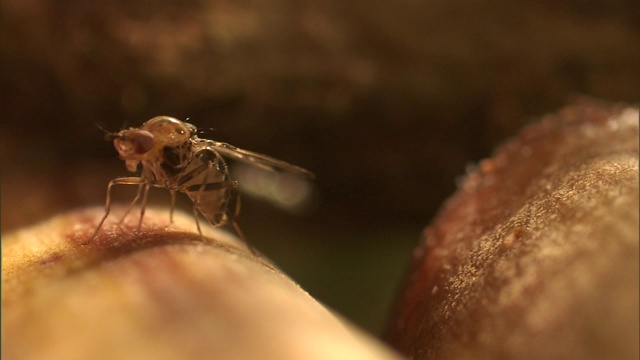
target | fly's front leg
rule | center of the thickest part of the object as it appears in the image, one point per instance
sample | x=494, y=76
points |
x=107, y=206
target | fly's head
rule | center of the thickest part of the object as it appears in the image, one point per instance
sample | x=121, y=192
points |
x=133, y=146
x=144, y=143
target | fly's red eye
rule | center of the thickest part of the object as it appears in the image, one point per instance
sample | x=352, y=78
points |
x=142, y=142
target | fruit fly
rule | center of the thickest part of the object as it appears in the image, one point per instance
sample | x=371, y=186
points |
x=173, y=157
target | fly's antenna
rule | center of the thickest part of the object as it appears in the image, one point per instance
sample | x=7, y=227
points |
x=108, y=135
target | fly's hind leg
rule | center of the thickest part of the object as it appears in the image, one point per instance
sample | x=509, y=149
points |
x=173, y=205
x=229, y=214
x=233, y=211
x=204, y=187
x=223, y=215
x=107, y=206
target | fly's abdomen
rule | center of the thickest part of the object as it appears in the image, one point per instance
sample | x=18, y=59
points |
x=212, y=204
x=206, y=182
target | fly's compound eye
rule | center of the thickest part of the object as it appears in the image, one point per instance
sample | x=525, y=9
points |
x=136, y=142
x=142, y=142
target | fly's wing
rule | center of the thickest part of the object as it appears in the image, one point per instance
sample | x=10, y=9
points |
x=259, y=160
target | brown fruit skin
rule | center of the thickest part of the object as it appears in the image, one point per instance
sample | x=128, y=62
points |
x=158, y=293
x=536, y=255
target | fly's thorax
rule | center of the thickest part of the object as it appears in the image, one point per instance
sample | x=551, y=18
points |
x=173, y=160
x=168, y=131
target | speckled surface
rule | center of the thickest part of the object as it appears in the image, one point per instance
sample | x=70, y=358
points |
x=536, y=255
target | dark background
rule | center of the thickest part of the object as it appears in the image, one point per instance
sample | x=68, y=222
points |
x=386, y=101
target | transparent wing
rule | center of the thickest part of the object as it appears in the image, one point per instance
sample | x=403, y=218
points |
x=259, y=160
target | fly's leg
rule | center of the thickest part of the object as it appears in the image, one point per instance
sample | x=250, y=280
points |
x=234, y=212
x=173, y=205
x=195, y=216
x=107, y=206
x=196, y=203
x=143, y=206
x=229, y=215
x=135, y=200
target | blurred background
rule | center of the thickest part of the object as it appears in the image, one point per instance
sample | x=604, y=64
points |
x=386, y=101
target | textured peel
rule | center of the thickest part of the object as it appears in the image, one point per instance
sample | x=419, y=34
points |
x=536, y=255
